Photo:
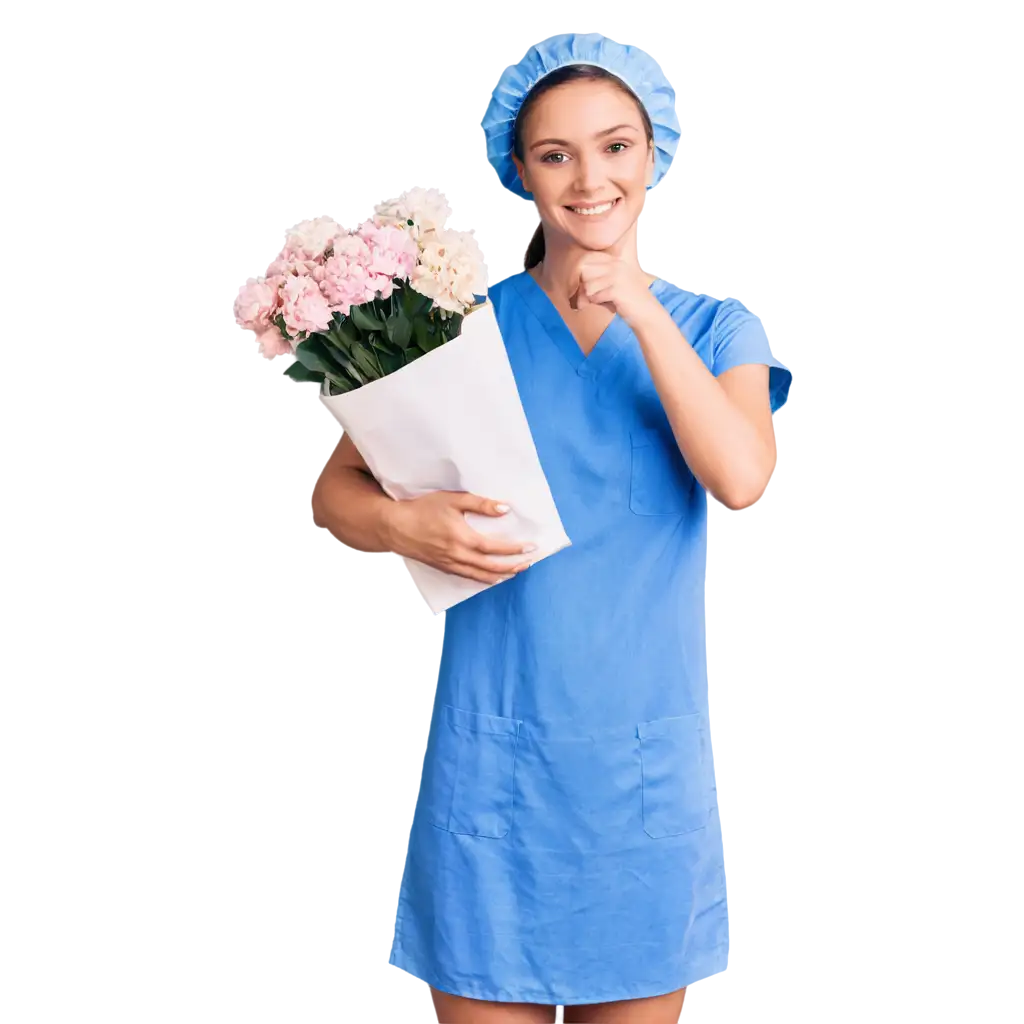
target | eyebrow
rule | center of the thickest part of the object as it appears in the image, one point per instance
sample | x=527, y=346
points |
x=565, y=142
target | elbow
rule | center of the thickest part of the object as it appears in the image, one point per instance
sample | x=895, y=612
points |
x=740, y=499
x=312, y=504
x=744, y=493
x=746, y=483
x=311, y=498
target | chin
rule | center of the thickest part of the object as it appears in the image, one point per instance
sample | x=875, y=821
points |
x=597, y=236
x=598, y=243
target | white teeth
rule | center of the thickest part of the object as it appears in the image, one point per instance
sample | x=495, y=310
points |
x=593, y=210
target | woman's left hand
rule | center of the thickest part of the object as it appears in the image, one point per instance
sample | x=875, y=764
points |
x=606, y=280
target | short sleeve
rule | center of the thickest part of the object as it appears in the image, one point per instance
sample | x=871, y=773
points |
x=737, y=337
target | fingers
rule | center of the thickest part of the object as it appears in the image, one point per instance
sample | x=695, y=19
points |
x=496, y=574
x=466, y=501
x=477, y=541
x=595, y=291
x=472, y=554
x=469, y=561
x=475, y=556
x=600, y=298
x=469, y=554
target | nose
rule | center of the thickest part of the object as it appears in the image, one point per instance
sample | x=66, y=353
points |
x=589, y=173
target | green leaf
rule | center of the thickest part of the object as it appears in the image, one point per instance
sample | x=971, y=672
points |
x=381, y=349
x=364, y=319
x=415, y=303
x=362, y=359
x=348, y=331
x=399, y=329
x=340, y=387
x=338, y=351
x=315, y=354
x=390, y=361
x=421, y=332
x=431, y=341
x=297, y=371
x=354, y=376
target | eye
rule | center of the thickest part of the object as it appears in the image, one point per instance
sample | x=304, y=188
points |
x=618, y=144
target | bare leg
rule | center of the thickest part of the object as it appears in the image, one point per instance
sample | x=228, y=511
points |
x=463, y=1010
x=652, y=1010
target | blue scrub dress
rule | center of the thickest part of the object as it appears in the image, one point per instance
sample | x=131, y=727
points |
x=566, y=845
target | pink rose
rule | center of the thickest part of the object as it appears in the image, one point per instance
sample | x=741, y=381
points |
x=394, y=250
x=273, y=343
x=291, y=263
x=393, y=254
x=344, y=284
x=353, y=248
x=303, y=305
x=256, y=304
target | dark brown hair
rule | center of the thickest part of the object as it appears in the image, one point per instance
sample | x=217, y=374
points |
x=567, y=73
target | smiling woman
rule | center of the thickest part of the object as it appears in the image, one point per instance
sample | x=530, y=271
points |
x=628, y=158
x=566, y=846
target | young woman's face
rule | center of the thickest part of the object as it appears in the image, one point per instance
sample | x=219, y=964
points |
x=571, y=158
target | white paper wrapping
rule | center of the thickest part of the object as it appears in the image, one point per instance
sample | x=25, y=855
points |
x=452, y=420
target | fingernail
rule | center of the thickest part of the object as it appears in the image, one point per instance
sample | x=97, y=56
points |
x=502, y=507
x=528, y=547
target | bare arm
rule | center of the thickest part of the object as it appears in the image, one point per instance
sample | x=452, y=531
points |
x=349, y=503
x=723, y=425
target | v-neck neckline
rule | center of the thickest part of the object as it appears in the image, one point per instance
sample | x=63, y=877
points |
x=608, y=344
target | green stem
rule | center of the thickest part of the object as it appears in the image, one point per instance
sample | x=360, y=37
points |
x=376, y=359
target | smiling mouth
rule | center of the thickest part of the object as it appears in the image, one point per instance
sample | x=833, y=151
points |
x=603, y=209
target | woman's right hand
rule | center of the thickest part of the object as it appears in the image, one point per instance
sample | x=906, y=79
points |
x=433, y=530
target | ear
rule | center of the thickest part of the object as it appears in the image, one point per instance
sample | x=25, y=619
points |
x=649, y=175
x=521, y=170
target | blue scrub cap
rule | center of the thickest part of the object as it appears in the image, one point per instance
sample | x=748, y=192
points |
x=631, y=64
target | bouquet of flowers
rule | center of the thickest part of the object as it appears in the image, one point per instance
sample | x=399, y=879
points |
x=361, y=311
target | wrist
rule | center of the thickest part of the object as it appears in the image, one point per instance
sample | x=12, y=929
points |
x=650, y=314
x=387, y=532
x=646, y=313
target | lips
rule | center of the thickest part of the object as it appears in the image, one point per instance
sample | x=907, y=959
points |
x=598, y=216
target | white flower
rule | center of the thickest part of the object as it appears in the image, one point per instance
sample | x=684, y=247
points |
x=427, y=208
x=450, y=270
x=309, y=238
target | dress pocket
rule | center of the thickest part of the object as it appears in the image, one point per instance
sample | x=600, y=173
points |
x=676, y=797
x=470, y=787
x=660, y=481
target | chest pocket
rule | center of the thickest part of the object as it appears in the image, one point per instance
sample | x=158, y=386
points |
x=660, y=482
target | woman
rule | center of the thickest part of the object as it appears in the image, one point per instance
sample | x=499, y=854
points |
x=566, y=846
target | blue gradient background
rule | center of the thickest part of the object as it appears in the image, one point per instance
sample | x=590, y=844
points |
x=208, y=719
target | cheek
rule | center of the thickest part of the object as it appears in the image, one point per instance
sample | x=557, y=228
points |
x=639, y=167
x=631, y=173
x=546, y=187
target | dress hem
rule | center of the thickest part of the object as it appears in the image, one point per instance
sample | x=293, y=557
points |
x=713, y=963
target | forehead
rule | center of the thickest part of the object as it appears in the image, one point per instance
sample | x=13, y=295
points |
x=578, y=109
